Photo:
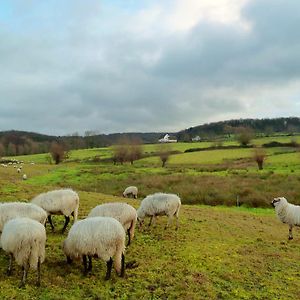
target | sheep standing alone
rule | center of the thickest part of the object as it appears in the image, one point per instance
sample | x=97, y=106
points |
x=24, y=239
x=159, y=204
x=102, y=237
x=287, y=213
x=59, y=202
x=123, y=212
x=131, y=190
x=11, y=210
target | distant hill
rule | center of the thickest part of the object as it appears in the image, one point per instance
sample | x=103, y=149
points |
x=15, y=142
x=289, y=125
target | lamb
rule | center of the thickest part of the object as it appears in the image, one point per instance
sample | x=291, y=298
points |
x=131, y=190
x=11, y=210
x=102, y=237
x=122, y=212
x=59, y=202
x=287, y=213
x=24, y=239
x=159, y=204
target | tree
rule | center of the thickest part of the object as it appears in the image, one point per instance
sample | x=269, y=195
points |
x=58, y=152
x=120, y=153
x=259, y=156
x=244, y=135
x=134, y=150
x=164, y=152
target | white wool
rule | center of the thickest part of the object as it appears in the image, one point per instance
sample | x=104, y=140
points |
x=159, y=204
x=123, y=212
x=131, y=190
x=25, y=239
x=24, y=177
x=59, y=202
x=11, y=210
x=287, y=212
x=103, y=237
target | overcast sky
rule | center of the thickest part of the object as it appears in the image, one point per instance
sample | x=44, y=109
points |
x=146, y=65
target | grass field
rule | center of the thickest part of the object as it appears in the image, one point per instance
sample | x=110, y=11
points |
x=219, y=252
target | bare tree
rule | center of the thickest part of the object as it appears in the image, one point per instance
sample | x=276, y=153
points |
x=120, y=152
x=259, y=156
x=134, y=150
x=164, y=152
x=244, y=135
x=58, y=152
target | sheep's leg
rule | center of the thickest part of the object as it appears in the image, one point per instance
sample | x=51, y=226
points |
x=38, y=283
x=291, y=232
x=69, y=260
x=177, y=222
x=123, y=265
x=151, y=218
x=129, y=240
x=90, y=263
x=84, y=260
x=66, y=223
x=50, y=222
x=9, y=269
x=169, y=221
x=109, y=267
x=24, y=276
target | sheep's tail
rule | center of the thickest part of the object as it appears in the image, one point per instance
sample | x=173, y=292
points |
x=30, y=253
x=119, y=257
x=177, y=214
x=76, y=209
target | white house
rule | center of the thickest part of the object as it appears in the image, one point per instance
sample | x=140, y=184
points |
x=166, y=139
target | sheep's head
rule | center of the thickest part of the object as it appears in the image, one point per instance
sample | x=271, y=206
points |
x=278, y=201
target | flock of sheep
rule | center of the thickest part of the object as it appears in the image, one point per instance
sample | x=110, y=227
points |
x=101, y=234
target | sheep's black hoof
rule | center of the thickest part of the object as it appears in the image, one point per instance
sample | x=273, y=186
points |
x=21, y=285
x=107, y=278
x=290, y=238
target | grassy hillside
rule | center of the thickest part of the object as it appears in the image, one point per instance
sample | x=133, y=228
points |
x=218, y=253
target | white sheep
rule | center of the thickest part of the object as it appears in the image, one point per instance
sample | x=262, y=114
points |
x=11, y=210
x=159, y=204
x=59, y=202
x=24, y=177
x=102, y=237
x=19, y=170
x=287, y=213
x=24, y=239
x=123, y=212
x=131, y=190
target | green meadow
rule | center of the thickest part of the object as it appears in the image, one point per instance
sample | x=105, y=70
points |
x=219, y=252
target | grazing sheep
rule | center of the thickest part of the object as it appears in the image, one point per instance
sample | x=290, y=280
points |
x=19, y=170
x=122, y=212
x=24, y=239
x=102, y=237
x=59, y=202
x=11, y=210
x=159, y=204
x=24, y=177
x=287, y=213
x=131, y=190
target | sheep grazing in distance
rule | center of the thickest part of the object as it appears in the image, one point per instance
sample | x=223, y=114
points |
x=19, y=170
x=131, y=190
x=59, y=202
x=102, y=237
x=24, y=239
x=159, y=204
x=287, y=213
x=123, y=212
x=24, y=177
x=11, y=210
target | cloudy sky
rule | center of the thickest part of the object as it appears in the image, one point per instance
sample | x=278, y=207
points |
x=146, y=65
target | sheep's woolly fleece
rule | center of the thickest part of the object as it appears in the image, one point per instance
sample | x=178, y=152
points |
x=12, y=210
x=25, y=239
